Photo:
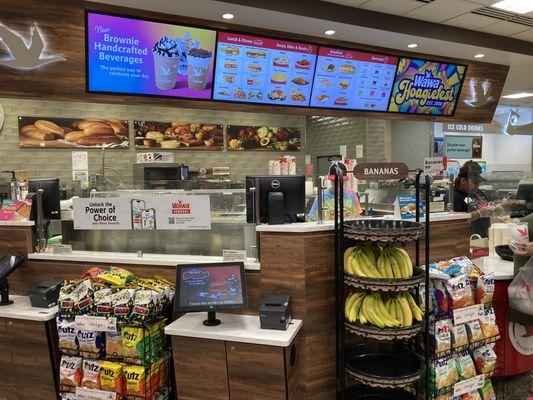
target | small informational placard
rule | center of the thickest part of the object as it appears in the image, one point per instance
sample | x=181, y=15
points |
x=94, y=394
x=463, y=147
x=359, y=151
x=80, y=166
x=62, y=249
x=468, y=314
x=96, y=324
x=405, y=207
x=15, y=210
x=234, y=255
x=381, y=171
x=435, y=164
x=468, y=385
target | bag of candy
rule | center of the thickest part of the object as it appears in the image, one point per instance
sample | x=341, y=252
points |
x=460, y=292
x=135, y=380
x=70, y=373
x=474, y=332
x=487, y=391
x=443, y=335
x=488, y=324
x=485, y=359
x=465, y=365
x=67, y=334
x=459, y=336
x=111, y=379
x=91, y=374
x=485, y=289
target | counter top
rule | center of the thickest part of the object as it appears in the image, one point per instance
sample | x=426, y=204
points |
x=17, y=223
x=22, y=309
x=170, y=260
x=234, y=328
x=305, y=227
x=503, y=270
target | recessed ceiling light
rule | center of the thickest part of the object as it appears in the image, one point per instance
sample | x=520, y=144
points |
x=329, y=32
x=412, y=45
x=480, y=55
x=518, y=95
x=517, y=6
x=228, y=16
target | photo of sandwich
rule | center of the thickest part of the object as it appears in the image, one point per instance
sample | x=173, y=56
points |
x=347, y=69
x=344, y=84
x=340, y=101
x=303, y=64
x=255, y=53
x=231, y=65
x=322, y=98
x=280, y=61
x=257, y=68
x=231, y=50
x=300, y=81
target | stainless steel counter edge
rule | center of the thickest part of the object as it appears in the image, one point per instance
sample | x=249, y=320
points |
x=131, y=258
x=305, y=227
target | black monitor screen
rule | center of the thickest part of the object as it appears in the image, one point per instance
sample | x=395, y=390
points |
x=51, y=198
x=204, y=287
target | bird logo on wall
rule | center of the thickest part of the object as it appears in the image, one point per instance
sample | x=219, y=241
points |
x=23, y=53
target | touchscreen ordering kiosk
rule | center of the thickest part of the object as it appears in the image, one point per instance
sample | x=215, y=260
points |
x=7, y=265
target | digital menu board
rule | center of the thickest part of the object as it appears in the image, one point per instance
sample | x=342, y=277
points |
x=263, y=70
x=426, y=87
x=353, y=80
x=134, y=56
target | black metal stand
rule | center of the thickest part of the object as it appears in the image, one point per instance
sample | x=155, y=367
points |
x=211, y=319
x=339, y=280
x=4, y=293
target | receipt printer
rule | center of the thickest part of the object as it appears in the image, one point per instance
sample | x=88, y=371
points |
x=275, y=311
x=45, y=294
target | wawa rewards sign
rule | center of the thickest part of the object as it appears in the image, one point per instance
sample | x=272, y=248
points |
x=426, y=87
x=146, y=213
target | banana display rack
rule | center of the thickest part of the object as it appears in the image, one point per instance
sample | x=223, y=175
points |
x=383, y=335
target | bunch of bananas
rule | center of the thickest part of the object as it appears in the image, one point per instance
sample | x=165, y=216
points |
x=375, y=262
x=384, y=311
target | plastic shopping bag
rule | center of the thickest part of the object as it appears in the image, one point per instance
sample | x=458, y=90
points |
x=521, y=289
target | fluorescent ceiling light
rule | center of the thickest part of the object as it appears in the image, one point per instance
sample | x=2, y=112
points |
x=517, y=6
x=228, y=16
x=330, y=32
x=412, y=45
x=480, y=55
x=518, y=95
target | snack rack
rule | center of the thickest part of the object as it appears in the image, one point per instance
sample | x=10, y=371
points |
x=411, y=343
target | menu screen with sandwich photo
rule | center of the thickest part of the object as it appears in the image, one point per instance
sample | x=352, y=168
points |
x=135, y=56
x=353, y=80
x=426, y=87
x=263, y=70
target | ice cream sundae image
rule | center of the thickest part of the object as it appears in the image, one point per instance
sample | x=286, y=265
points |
x=166, y=63
x=198, y=65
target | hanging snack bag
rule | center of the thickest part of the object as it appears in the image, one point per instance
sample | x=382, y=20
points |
x=487, y=391
x=474, y=332
x=91, y=374
x=484, y=359
x=91, y=344
x=445, y=373
x=485, y=289
x=144, y=305
x=69, y=372
x=66, y=300
x=443, y=335
x=488, y=324
x=473, y=395
x=103, y=302
x=441, y=296
x=122, y=303
x=133, y=342
x=113, y=344
x=67, y=334
x=135, y=380
x=117, y=276
x=111, y=377
x=93, y=274
x=83, y=297
x=459, y=336
x=460, y=292
x=465, y=365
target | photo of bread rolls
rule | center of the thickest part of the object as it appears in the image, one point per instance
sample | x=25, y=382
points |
x=45, y=132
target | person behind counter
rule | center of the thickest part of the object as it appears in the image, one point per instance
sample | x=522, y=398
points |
x=470, y=199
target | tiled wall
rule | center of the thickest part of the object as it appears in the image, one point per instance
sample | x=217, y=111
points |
x=57, y=163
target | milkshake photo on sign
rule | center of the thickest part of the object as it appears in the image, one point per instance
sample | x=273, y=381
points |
x=129, y=55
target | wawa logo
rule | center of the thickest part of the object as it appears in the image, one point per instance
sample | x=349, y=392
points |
x=24, y=53
x=181, y=207
x=425, y=88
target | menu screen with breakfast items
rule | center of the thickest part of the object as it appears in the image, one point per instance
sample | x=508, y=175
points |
x=262, y=70
x=426, y=87
x=134, y=56
x=353, y=80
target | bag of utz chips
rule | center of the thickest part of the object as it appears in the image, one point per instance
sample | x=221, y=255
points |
x=459, y=336
x=91, y=344
x=443, y=335
x=444, y=373
x=122, y=303
x=485, y=289
x=473, y=395
x=103, y=302
x=487, y=391
x=117, y=276
x=111, y=377
x=113, y=344
x=133, y=342
x=460, y=292
x=67, y=334
x=465, y=365
x=66, y=301
x=69, y=373
x=441, y=297
x=485, y=359
x=144, y=305
x=488, y=324
x=83, y=297
x=91, y=374
x=473, y=329
x=135, y=380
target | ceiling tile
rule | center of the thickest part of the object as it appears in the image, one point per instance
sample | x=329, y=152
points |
x=397, y=7
x=527, y=35
x=504, y=28
x=441, y=10
x=484, y=2
x=471, y=21
x=349, y=3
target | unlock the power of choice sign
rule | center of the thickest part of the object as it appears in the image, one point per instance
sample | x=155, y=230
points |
x=143, y=212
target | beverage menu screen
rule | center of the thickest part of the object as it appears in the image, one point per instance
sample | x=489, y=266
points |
x=134, y=56
x=426, y=87
x=263, y=70
x=353, y=80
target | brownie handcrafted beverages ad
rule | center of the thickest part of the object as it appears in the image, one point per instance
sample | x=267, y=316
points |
x=127, y=55
x=178, y=135
x=263, y=138
x=70, y=133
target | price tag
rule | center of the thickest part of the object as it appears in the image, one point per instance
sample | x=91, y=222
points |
x=97, y=324
x=469, y=385
x=468, y=314
x=94, y=394
x=62, y=249
x=234, y=255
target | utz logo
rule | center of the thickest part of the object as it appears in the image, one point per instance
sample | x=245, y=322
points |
x=195, y=274
x=426, y=89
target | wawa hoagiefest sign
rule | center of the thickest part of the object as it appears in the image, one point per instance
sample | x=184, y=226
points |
x=425, y=87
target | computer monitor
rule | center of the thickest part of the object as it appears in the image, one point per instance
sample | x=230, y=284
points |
x=8, y=264
x=210, y=287
x=51, y=198
x=525, y=192
x=275, y=199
